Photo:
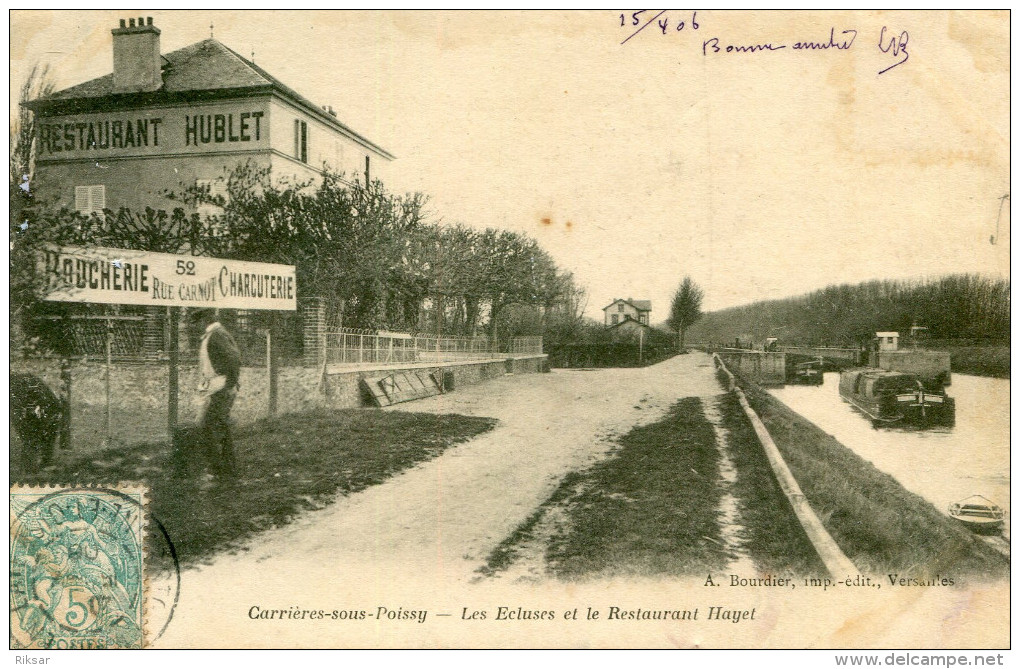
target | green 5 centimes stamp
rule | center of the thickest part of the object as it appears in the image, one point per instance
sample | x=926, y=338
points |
x=76, y=567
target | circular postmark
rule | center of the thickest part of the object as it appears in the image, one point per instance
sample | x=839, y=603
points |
x=165, y=588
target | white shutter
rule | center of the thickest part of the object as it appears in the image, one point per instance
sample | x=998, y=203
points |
x=219, y=189
x=81, y=200
x=204, y=208
x=89, y=199
x=215, y=188
x=97, y=198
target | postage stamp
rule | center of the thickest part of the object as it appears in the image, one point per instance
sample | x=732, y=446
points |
x=76, y=565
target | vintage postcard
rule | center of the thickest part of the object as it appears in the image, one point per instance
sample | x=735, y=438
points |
x=626, y=329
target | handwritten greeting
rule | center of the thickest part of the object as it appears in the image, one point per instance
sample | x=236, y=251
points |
x=664, y=22
x=845, y=41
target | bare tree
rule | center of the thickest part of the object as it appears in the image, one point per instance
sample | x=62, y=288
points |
x=686, y=308
x=22, y=128
x=21, y=193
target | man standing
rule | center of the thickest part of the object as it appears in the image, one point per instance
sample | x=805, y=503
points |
x=219, y=366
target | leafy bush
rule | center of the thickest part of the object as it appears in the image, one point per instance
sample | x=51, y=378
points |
x=594, y=345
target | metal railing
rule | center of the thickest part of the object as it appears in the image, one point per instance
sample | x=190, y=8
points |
x=841, y=353
x=525, y=346
x=352, y=347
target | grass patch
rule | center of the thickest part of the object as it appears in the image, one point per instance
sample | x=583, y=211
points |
x=881, y=526
x=286, y=465
x=775, y=539
x=722, y=377
x=508, y=550
x=650, y=509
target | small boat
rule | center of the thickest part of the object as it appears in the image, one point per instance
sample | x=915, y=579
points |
x=979, y=514
x=806, y=373
x=896, y=397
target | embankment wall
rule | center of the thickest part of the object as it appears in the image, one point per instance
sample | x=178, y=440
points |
x=763, y=367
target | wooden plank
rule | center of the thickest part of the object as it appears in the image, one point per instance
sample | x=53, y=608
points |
x=417, y=387
x=375, y=392
x=403, y=386
x=389, y=386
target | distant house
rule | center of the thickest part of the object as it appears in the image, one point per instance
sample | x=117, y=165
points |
x=629, y=328
x=620, y=311
x=887, y=341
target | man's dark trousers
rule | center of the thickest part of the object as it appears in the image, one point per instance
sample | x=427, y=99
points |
x=219, y=446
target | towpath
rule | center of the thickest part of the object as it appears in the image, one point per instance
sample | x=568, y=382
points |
x=429, y=528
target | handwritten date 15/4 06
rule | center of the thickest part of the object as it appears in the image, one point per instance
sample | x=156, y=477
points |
x=675, y=22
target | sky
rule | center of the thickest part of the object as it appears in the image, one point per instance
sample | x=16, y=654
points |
x=760, y=173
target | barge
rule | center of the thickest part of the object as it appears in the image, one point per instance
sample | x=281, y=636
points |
x=891, y=398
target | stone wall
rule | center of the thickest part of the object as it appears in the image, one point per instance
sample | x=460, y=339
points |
x=139, y=392
x=759, y=366
x=343, y=388
x=933, y=366
x=143, y=387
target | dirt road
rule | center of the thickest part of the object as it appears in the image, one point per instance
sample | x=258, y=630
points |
x=428, y=529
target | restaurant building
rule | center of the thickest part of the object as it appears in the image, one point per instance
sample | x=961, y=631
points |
x=159, y=123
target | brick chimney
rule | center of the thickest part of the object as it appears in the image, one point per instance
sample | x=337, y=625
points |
x=136, y=60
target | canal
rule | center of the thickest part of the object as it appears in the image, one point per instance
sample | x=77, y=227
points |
x=942, y=465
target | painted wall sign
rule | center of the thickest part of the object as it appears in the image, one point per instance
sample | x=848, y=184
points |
x=97, y=134
x=120, y=276
x=220, y=128
x=163, y=131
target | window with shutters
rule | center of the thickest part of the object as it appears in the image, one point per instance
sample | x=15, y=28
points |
x=89, y=199
x=301, y=140
x=217, y=189
x=616, y=319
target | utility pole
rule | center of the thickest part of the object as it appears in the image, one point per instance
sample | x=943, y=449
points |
x=109, y=381
x=173, y=372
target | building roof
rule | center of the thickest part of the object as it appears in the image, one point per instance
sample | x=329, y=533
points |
x=625, y=321
x=640, y=305
x=203, y=70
